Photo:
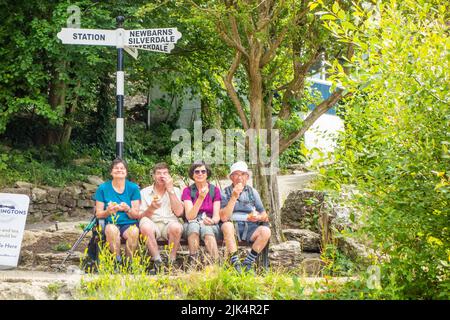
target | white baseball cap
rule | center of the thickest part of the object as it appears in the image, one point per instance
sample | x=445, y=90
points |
x=238, y=166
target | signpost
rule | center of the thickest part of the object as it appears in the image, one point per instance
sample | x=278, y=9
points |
x=156, y=40
x=13, y=215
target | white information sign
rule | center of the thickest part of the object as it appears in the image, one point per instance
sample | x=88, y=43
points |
x=13, y=215
x=88, y=36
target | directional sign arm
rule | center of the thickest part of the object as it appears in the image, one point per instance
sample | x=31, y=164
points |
x=88, y=36
x=162, y=47
x=132, y=51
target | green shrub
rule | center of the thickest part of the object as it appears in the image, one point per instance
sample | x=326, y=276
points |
x=63, y=246
x=395, y=148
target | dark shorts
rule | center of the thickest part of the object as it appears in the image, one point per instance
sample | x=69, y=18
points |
x=245, y=229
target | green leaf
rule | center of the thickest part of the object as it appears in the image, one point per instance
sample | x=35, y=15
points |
x=328, y=17
x=313, y=5
x=335, y=7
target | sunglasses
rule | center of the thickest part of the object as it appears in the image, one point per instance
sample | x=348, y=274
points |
x=199, y=171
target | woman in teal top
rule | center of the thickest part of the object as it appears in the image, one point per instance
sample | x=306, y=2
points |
x=118, y=201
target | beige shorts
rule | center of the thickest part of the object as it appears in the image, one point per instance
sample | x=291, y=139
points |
x=160, y=227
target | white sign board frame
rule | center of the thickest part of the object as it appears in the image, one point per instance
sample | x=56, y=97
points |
x=13, y=216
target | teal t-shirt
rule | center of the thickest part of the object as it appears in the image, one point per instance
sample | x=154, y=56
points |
x=106, y=194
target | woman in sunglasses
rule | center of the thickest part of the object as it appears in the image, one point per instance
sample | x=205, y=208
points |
x=201, y=206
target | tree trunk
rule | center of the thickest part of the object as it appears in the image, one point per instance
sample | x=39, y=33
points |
x=267, y=186
x=67, y=127
x=277, y=232
x=56, y=98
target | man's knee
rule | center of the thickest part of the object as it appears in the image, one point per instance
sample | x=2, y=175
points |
x=262, y=233
x=265, y=232
x=147, y=230
x=175, y=229
x=227, y=228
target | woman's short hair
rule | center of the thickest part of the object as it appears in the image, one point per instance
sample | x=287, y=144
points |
x=197, y=164
x=116, y=162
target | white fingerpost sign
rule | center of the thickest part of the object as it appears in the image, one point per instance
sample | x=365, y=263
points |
x=13, y=215
x=157, y=40
x=94, y=37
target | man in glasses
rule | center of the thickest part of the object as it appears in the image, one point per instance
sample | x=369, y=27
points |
x=161, y=207
x=242, y=209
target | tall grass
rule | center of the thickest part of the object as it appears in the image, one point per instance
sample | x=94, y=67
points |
x=130, y=280
x=213, y=282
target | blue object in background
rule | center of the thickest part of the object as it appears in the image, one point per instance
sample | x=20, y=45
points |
x=324, y=87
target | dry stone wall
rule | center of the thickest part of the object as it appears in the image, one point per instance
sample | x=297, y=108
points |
x=49, y=203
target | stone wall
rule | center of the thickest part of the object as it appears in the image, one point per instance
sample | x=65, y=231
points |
x=305, y=212
x=48, y=203
x=302, y=209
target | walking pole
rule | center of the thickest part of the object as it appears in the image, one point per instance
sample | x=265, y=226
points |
x=88, y=228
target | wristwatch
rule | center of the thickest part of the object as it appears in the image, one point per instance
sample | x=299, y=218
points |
x=171, y=192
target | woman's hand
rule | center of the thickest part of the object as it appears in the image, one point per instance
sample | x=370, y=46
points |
x=208, y=221
x=112, y=208
x=124, y=207
x=203, y=192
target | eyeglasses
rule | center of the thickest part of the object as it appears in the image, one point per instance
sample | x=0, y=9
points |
x=199, y=171
x=239, y=174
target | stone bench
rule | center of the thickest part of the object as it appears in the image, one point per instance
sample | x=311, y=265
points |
x=263, y=257
x=262, y=260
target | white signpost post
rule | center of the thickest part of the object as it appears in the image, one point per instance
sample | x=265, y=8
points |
x=157, y=40
x=13, y=215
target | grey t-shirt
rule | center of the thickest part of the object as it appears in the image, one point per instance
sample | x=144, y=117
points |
x=245, y=204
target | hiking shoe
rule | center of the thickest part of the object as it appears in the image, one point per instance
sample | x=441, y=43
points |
x=193, y=262
x=237, y=267
x=158, y=267
x=117, y=267
x=171, y=265
x=248, y=268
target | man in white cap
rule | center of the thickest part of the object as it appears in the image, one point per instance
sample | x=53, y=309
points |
x=242, y=205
